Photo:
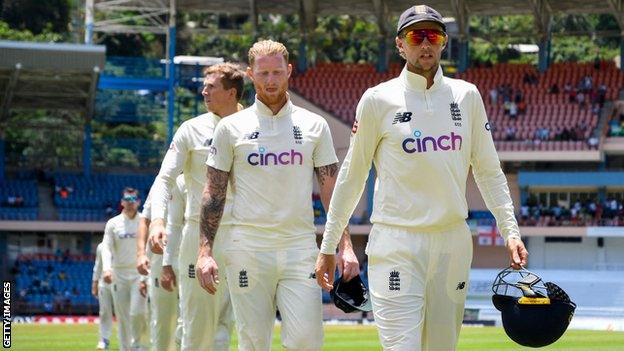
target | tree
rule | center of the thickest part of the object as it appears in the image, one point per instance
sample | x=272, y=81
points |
x=37, y=16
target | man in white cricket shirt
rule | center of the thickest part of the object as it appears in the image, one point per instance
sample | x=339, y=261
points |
x=163, y=302
x=423, y=131
x=118, y=263
x=104, y=294
x=223, y=87
x=171, y=259
x=269, y=152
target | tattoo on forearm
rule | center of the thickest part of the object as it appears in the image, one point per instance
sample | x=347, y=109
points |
x=213, y=202
x=324, y=172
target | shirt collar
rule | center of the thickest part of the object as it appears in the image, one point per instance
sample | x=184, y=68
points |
x=264, y=110
x=417, y=82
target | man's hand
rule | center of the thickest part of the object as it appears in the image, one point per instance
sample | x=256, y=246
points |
x=143, y=264
x=518, y=254
x=325, y=268
x=143, y=288
x=207, y=271
x=156, y=235
x=168, y=278
x=348, y=264
x=108, y=277
x=94, y=288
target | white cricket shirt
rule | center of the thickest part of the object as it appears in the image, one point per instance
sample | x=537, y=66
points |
x=119, y=243
x=422, y=143
x=188, y=152
x=271, y=160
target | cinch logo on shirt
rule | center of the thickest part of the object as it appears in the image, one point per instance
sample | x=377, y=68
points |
x=442, y=143
x=263, y=158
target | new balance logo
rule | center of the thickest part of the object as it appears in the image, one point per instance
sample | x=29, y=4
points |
x=243, y=281
x=297, y=134
x=251, y=136
x=394, y=281
x=208, y=142
x=402, y=117
x=156, y=282
x=312, y=276
x=191, y=271
x=461, y=286
x=455, y=112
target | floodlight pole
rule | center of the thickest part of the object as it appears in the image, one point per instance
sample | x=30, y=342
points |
x=171, y=44
x=86, y=143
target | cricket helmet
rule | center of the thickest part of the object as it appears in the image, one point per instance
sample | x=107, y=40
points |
x=534, y=313
x=352, y=295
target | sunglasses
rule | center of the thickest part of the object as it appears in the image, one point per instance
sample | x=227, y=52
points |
x=417, y=36
x=130, y=198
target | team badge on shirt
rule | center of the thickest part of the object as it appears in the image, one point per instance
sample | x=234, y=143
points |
x=243, y=280
x=394, y=281
x=297, y=135
x=456, y=114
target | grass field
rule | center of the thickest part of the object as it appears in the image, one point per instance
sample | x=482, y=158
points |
x=31, y=337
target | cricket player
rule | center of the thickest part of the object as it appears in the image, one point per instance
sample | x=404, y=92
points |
x=423, y=132
x=163, y=303
x=118, y=262
x=269, y=152
x=104, y=294
x=223, y=87
x=171, y=259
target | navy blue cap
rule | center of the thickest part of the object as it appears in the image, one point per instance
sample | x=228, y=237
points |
x=419, y=13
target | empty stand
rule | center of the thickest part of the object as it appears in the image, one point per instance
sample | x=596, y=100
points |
x=55, y=283
x=18, y=200
x=88, y=198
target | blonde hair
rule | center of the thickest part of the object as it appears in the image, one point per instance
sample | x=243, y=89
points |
x=231, y=76
x=267, y=48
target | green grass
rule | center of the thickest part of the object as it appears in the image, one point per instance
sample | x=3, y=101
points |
x=30, y=337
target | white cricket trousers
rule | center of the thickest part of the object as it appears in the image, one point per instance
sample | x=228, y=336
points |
x=105, y=301
x=260, y=282
x=163, y=309
x=418, y=283
x=207, y=320
x=130, y=309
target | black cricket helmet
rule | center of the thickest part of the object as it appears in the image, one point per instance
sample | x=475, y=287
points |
x=534, y=313
x=351, y=296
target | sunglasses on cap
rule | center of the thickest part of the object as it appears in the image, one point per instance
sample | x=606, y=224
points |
x=417, y=36
x=130, y=198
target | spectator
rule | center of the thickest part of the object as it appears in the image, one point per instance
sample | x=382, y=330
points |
x=64, y=191
x=506, y=107
x=580, y=99
x=513, y=110
x=521, y=107
x=593, y=142
x=554, y=89
x=494, y=96
x=510, y=133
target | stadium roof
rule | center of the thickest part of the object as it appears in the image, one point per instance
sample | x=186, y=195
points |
x=48, y=76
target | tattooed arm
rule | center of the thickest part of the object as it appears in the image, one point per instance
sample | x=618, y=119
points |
x=348, y=264
x=213, y=202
